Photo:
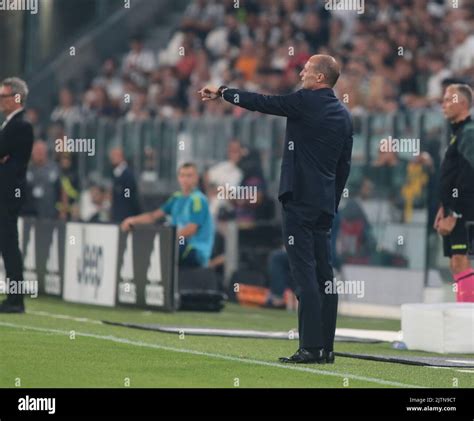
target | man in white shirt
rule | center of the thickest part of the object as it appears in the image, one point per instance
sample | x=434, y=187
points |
x=463, y=55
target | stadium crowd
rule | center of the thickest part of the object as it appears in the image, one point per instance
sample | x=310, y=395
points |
x=395, y=56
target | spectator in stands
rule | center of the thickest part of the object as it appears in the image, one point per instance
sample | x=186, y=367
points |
x=164, y=93
x=139, y=62
x=247, y=62
x=43, y=183
x=251, y=209
x=223, y=38
x=385, y=173
x=100, y=199
x=68, y=205
x=202, y=15
x=189, y=211
x=225, y=173
x=228, y=171
x=56, y=130
x=111, y=82
x=357, y=243
x=95, y=200
x=125, y=200
x=139, y=110
x=462, y=40
x=353, y=85
x=96, y=103
x=314, y=32
x=33, y=116
x=414, y=191
x=67, y=111
x=186, y=64
x=439, y=72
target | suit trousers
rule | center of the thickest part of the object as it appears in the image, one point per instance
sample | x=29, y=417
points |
x=307, y=238
x=9, y=248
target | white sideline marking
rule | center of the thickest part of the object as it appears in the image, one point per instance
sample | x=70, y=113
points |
x=211, y=355
x=381, y=335
x=64, y=317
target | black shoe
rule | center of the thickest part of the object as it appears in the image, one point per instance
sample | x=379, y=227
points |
x=6, y=307
x=304, y=356
x=330, y=357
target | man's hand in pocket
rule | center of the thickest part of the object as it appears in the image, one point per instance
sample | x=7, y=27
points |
x=446, y=225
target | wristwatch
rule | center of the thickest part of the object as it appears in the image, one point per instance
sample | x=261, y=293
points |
x=221, y=90
x=454, y=214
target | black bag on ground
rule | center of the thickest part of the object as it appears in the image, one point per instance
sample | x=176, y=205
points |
x=199, y=290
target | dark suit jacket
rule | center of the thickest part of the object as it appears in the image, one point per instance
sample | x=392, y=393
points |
x=16, y=141
x=318, y=143
x=122, y=206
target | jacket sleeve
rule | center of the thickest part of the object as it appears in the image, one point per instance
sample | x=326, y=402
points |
x=10, y=135
x=343, y=169
x=466, y=168
x=282, y=105
x=466, y=147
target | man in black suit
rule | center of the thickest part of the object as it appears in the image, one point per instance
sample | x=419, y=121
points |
x=314, y=171
x=16, y=142
x=125, y=201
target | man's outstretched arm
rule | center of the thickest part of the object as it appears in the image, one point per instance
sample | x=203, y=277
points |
x=282, y=105
x=142, y=219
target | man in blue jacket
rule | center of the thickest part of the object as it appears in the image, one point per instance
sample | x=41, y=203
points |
x=314, y=171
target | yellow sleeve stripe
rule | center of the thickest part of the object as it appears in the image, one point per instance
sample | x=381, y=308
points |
x=197, y=204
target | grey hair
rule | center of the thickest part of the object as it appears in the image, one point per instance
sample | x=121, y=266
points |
x=18, y=87
x=464, y=90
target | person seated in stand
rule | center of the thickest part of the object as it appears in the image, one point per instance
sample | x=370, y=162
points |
x=189, y=211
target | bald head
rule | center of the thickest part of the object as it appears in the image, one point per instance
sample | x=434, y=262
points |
x=39, y=154
x=320, y=71
x=116, y=156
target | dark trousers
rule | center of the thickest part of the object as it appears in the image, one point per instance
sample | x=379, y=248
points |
x=188, y=256
x=307, y=238
x=9, y=248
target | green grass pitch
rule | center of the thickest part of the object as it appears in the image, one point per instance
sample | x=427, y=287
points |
x=60, y=345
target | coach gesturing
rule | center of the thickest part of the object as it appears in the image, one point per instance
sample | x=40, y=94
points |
x=314, y=170
x=16, y=142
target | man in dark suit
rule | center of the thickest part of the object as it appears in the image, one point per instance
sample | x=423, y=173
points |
x=16, y=142
x=314, y=171
x=125, y=201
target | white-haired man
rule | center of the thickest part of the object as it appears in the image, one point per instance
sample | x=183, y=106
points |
x=16, y=143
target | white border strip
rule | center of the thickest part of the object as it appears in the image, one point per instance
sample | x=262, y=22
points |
x=212, y=355
x=380, y=335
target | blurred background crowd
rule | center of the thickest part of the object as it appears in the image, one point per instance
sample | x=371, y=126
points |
x=394, y=56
